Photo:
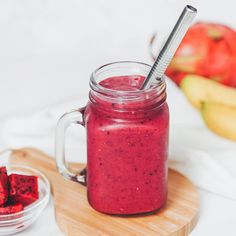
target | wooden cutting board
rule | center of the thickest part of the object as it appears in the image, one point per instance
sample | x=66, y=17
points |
x=76, y=218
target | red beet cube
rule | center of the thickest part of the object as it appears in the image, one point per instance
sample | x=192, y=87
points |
x=4, y=185
x=4, y=210
x=23, y=189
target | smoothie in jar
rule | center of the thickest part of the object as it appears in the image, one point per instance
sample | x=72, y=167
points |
x=127, y=146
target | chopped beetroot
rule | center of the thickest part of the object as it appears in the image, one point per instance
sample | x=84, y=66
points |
x=4, y=185
x=10, y=209
x=23, y=189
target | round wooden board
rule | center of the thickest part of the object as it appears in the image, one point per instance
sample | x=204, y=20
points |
x=76, y=218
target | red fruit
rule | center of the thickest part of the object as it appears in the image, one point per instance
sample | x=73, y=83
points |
x=208, y=50
x=4, y=210
x=177, y=76
x=23, y=189
x=4, y=186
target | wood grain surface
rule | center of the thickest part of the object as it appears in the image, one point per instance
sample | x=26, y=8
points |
x=76, y=218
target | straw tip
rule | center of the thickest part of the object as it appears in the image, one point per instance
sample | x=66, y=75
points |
x=191, y=8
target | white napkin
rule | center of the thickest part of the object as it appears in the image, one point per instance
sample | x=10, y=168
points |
x=207, y=160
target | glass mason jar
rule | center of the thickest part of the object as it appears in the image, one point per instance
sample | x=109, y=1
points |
x=127, y=141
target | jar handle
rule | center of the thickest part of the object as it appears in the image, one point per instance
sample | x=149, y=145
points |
x=76, y=117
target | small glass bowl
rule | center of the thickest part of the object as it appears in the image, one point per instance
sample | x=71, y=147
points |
x=14, y=223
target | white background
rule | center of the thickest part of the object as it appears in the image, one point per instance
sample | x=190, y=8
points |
x=48, y=49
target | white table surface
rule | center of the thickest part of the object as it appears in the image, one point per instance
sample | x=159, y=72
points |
x=49, y=48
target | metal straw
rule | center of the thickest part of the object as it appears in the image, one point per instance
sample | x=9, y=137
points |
x=167, y=52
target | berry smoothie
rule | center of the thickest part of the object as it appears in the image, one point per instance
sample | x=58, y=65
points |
x=127, y=147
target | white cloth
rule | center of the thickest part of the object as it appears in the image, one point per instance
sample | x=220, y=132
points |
x=208, y=160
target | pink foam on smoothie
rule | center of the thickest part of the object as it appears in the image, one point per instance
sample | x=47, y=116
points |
x=123, y=83
x=127, y=159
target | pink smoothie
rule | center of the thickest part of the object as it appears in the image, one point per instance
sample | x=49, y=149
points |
x=127, y=152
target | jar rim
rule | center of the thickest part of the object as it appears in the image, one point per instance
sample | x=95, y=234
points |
x=130, y=95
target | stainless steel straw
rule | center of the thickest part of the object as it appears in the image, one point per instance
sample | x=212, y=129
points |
x=167, y=52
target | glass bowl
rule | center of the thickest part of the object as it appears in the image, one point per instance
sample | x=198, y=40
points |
x=14, y=223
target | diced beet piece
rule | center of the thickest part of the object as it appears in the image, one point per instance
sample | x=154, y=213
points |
x=23, y=189
x=4, y=185
x=10, y=209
